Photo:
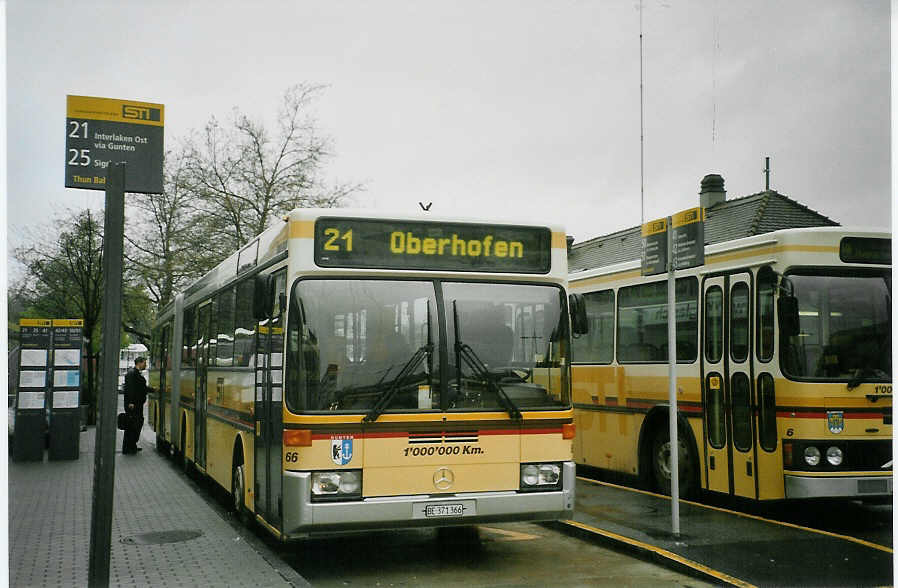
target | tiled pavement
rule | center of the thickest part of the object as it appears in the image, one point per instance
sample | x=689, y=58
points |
x=50, y=517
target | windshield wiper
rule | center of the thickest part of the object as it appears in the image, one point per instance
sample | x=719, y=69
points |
x=463, y=352
x=861, y=374
x=422, y=353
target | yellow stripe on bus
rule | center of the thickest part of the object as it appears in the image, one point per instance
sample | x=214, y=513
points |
x=709, y=260
x=302, y=229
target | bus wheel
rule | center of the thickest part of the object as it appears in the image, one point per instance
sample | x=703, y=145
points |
x=238, y=491
x=661, y=469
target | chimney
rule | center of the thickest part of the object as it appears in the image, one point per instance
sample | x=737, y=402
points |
x=570, y=243
x=712, y=192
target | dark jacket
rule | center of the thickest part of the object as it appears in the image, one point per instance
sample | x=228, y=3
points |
x=136, y=389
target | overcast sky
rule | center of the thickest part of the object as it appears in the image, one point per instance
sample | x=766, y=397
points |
x=517, y=108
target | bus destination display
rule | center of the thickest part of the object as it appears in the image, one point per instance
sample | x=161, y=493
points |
x=865, y=250
x=391, y=244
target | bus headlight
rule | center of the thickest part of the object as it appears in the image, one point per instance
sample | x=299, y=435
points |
x=540, y=476
x=337, y=485
x=834, y=456
x=811, y=455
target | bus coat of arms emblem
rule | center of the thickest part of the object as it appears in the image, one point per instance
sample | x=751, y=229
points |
x=341, y=450
x=835, y=420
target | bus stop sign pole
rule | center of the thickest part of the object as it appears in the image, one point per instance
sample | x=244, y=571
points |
x=104, y=456
x=672, y=387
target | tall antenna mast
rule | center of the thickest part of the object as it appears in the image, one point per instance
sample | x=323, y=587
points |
x=714, y=52
x=641, y=130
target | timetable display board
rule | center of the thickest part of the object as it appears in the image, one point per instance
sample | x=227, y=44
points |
x=31, y=390
x=404, y=244
x=654, y=247
x=65, y=386
x=67, y=343
x=34, y=363
x=688, y=238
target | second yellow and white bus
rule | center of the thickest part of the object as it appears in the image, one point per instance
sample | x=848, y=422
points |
x=784, y=371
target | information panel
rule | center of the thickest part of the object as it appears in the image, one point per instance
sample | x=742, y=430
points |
x=688, y=234
x=33, y=359
x=654, y=247
x=401, y=244
x=67, y=342
x=105, y=131
x=29, y=424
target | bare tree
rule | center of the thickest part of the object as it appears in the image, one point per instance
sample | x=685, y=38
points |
x=244, y=176
x=164, y=254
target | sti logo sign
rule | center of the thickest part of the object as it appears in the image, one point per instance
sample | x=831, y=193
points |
x=104, y=131
x=141, y=112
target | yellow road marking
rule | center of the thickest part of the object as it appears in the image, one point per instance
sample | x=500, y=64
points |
x=665, y=553
x=749, y=516
x=510, y=535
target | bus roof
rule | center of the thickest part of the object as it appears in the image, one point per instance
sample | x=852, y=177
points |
x=828, y=237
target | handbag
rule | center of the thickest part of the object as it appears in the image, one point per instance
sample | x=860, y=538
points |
x=122, y=421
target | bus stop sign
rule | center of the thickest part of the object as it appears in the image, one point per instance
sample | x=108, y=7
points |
x=104, y=131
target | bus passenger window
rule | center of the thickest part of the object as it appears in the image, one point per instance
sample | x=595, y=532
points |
x=714, y=410
x=714, y=324
x=245, y=326
x=742, y=438
x=597, y=346
x=766, y=412
x=225, y=337
x=766, y=294
x=188, y=351
x=740, y=327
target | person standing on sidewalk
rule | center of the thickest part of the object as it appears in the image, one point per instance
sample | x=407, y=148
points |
x=136, y=390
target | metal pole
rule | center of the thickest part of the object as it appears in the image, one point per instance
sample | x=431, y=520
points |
x=641, y=128
x=672, y=384
x=104, y=455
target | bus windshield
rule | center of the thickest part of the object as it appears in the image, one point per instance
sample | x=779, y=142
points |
x=845, y=328
x=374, y=345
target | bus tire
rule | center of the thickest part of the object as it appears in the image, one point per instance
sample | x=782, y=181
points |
x=661, y=470
x=238, y=491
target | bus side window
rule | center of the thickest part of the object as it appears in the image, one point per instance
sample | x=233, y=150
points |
x=766, y=315
x=597, y=345
x=245, y=325
x=187, y=340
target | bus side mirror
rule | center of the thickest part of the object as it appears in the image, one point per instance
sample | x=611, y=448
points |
x=579, y=322
x=787, y=313
x=262, y=298
x=282, y=302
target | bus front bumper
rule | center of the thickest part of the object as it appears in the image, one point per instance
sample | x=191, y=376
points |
x=303, y=518
x=837, y=487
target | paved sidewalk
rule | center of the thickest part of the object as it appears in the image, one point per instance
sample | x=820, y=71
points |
x=50, y=516
x=727, y=546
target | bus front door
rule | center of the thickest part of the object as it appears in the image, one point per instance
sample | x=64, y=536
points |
x=268, y=464
x=727, y=384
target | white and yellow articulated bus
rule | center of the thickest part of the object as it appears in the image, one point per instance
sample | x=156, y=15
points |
x=784, y=375
x=351, y=370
